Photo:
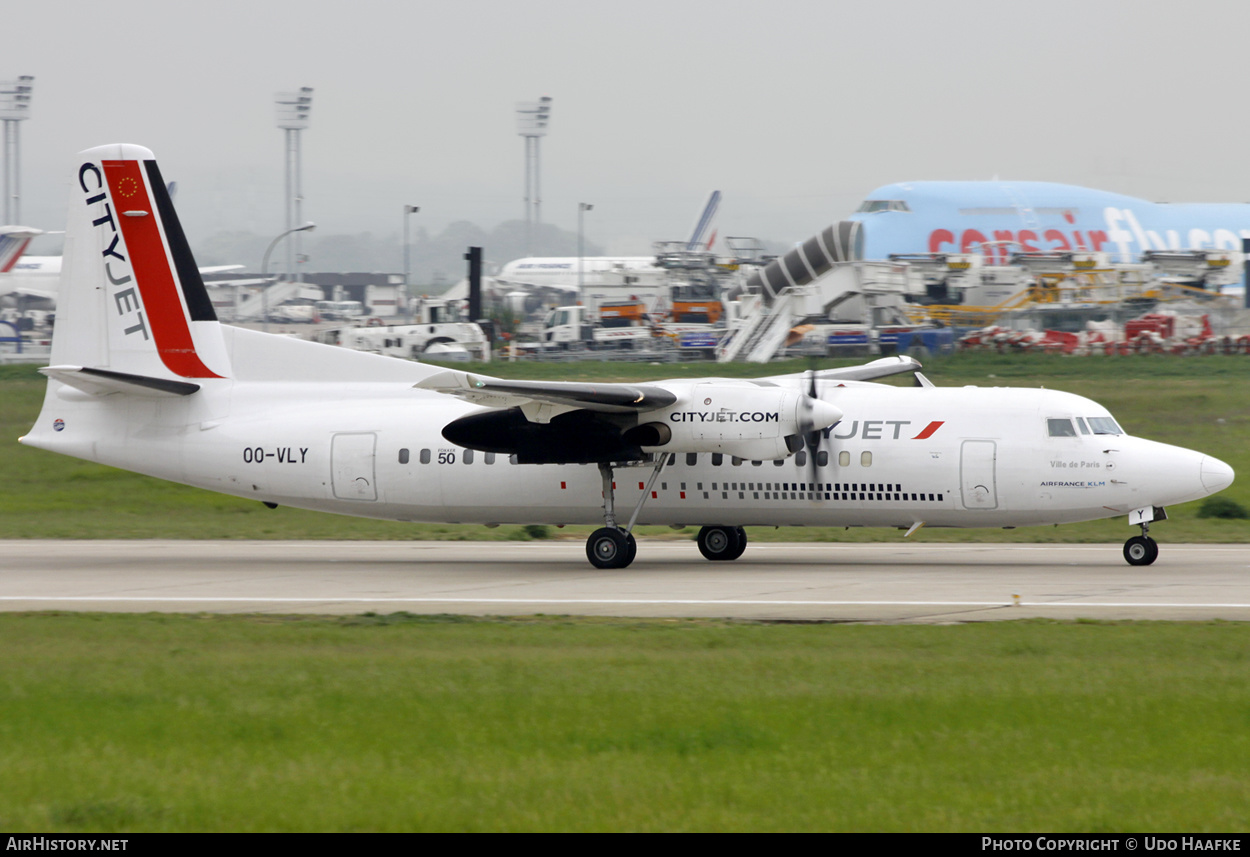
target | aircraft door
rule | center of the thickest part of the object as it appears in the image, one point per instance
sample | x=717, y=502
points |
x=976, y=474
x=352, y=471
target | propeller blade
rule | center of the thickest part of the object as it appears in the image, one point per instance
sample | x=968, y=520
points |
x=812, y=437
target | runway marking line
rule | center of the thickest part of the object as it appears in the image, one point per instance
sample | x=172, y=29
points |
x=200, y=599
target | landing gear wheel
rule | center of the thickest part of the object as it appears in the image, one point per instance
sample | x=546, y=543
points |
x=1141, y=550
x=722, y=543
x=609, y=547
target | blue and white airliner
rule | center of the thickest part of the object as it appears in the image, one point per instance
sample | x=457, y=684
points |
x=997, y=218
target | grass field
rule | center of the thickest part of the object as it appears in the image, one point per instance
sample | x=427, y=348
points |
x=135, y=723
x=1198, y=402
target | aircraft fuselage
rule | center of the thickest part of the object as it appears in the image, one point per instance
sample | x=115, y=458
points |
x=948, y=457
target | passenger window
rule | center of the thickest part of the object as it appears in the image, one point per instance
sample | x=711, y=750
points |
x=489, y=458
x=1060, y=428
x=822, y=458
x=865, y=459
x=717, y=458
x=425, y=456
x=403, y=456
x=468, y=456
x=800, y=458
x=844, y=459
x=692, y=458
x=736, y=460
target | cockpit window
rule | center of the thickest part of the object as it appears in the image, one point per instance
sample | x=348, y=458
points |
x=869, y=206
x=1080, y=423
x=1060, y=428
x=1104, y=425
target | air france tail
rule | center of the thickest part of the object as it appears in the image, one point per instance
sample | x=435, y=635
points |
x=702, y=236
x=13, y=242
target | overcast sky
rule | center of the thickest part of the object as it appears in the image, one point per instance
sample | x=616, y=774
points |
x=794, y=109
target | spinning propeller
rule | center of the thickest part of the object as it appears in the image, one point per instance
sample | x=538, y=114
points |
x=810, y=431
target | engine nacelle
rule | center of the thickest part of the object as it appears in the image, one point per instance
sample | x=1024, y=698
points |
x=740, y=418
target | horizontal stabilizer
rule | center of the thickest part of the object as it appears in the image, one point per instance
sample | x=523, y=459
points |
x=102, y=382
x=498, y=393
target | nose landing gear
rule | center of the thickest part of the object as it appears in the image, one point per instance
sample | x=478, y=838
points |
x=1142, y=550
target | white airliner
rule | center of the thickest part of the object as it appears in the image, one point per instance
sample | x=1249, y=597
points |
x=40, y=276
x=564, y=272
x=143, y=377
x=26, y=276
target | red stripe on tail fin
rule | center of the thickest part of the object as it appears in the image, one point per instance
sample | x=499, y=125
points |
x=137, y=218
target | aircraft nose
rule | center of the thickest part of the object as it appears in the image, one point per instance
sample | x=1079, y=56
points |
x=1216, y=475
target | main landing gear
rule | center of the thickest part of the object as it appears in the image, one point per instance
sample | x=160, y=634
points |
x=610, y=546
x=722, y=543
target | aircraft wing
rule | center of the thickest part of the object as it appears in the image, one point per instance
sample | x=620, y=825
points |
x=518, y=283
x=259, y=281
x=23, y=291
x=882, y=368
x=558, y=396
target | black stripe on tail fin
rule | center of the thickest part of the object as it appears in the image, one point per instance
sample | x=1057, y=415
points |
x=199, y=305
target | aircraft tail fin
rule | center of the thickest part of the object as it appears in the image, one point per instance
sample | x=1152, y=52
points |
x=702, y=235
x=13, y=242
x=132, y=301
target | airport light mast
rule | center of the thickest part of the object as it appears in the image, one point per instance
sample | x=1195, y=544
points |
x=532, y=118
x=582, y=208
x=408, y=210
x=293, y=109
x=264, y=270
x=14, y=107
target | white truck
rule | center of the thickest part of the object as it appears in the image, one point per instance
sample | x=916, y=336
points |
x=432, y=336
x=575, y=328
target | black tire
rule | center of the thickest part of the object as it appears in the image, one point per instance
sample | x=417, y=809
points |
x=721, y=543
x=609, y=547
x=1141, y=550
